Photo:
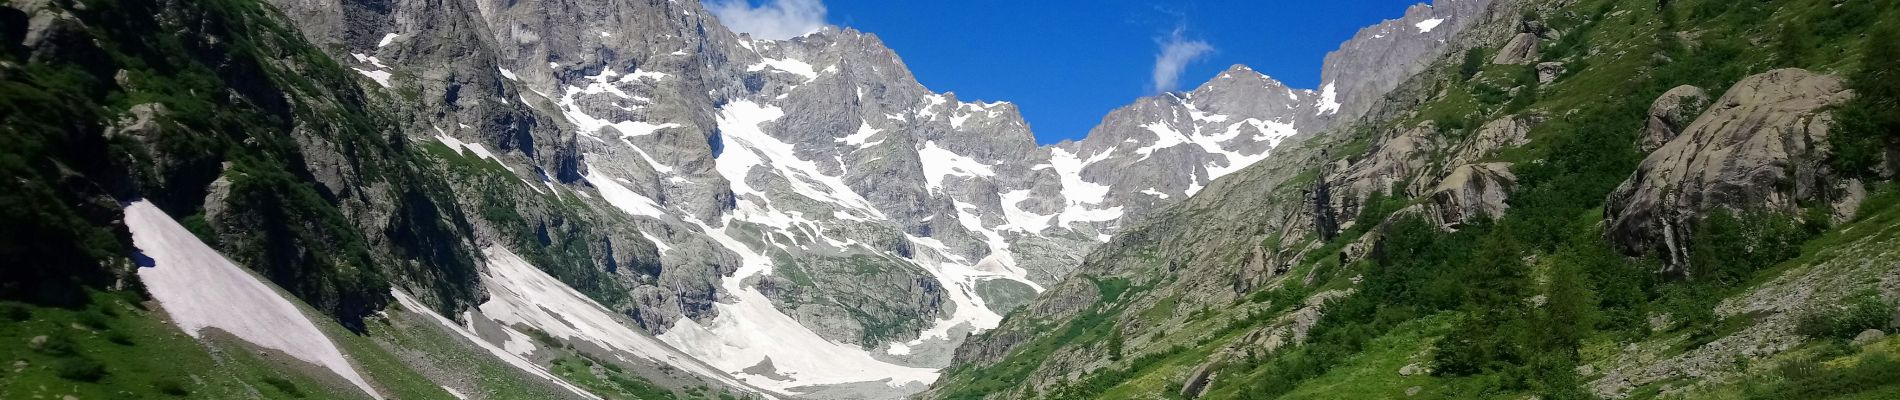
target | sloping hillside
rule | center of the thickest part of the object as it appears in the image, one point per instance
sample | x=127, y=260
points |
x=1461, y=239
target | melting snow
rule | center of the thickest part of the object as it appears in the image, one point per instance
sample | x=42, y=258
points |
x=505, y=73
x=939, y=162
x=381, y=77
x=1081, y=194
x=387, y=39
x=749, y=330
x=621, y=197
x=1427, y=25
x=520, y=293
x=1020, y=219
x=200, y=289
x=862, y=138
x=1328, y=100
x=796, y=67
x=640, y=74
x=748, y=146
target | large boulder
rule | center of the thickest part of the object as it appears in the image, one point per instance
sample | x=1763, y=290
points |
x=1762, y=146
x=1396, y=159
x=1521, y=50
x=1671, y=113
x=1503, y=133
x=1470, y=192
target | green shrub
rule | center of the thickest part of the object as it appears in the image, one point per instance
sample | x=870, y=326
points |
x=1474, y=63
x=287, y=387
x=1809, y=378
x=1855, y=315
x=15, y=312
x=171, y=387
x=93, y=320
x=79, y=368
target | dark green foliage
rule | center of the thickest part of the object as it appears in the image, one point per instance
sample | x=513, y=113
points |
x=79, y=368
x=171, y=387
x=1810, y=379
x=1111, y=289
x=1473, y=63
x=15, y=312
x=1526, y=93
x=1728, y=249
x=1794, y=44
x=284, y=386
x=1869, y=125
x=1856, y=314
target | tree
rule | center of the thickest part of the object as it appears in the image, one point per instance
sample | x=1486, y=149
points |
x=1474, y=62
x=1793, y=45
x=1869, y=124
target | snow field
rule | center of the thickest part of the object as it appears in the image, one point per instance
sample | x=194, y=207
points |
x=200, y=289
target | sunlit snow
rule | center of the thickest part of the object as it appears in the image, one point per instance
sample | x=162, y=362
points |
x=201, y=289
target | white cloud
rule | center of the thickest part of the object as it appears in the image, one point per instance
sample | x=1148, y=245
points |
x=1176, y=53
x=772, y=20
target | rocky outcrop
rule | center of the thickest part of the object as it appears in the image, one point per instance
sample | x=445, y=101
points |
x=1762, y=146
x=1398, y=159
x=1521, y=50
x=1502, y=133
x=1670, y=114
x=1471, y=191
x=1549, y=71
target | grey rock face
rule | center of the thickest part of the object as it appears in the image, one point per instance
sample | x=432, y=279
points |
x=1671, y=113
x=1759, y=147
x=1472, y=191
x=1548, y=72
x=1380, y=57
x=1398, y=159
x=1502, y=133
x=1522, y=49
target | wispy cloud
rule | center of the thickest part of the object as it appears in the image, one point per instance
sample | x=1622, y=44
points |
x=1176, y=52
x=772, y=19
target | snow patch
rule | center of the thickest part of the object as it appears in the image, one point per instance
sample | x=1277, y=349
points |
x=794, y=67
x=201, y=289
x=1428, y=25
x=521, y=294
x=862, y=138
x=621, y=197
x=381, y=77
x=749, y=330
x=748, y=146
x=939, y=162
x=1329, y=99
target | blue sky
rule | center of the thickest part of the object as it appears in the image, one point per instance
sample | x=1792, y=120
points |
x=1068, y=63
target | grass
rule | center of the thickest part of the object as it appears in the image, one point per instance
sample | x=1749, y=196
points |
x=115, y=348
x=1374, y=373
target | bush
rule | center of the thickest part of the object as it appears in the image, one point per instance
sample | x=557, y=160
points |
x=1857, y=314
x=15, y=312
x=171, y=387
x=1474, y=63
x=119, y=338
x=285, y=386
x=1812, y=379
x=93, y=320
x=79, y=368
